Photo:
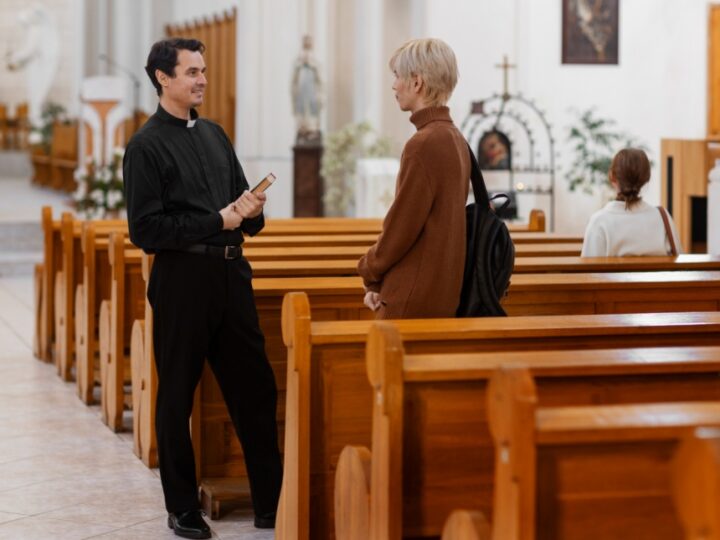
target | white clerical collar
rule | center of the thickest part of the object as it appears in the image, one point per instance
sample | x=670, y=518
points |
x=191, y=123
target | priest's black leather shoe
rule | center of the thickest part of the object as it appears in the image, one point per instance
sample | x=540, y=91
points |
x=265, y=521
x=189, y=524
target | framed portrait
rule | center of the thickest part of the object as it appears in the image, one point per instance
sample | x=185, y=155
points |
x=590, y=31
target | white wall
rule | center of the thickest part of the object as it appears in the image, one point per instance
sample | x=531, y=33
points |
x=658, y=89
x=268, y=41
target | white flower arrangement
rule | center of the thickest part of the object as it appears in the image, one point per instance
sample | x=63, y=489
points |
x=340, y=155
x=35, y=137
x=100, y=188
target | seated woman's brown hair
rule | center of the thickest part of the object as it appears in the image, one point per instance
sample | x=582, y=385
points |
x=629, y=172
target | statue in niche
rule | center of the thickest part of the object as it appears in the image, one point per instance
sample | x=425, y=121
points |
x=306, y=95
x=494, y=151
x=38, y=56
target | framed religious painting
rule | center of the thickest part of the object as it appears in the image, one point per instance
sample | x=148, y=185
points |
x=590, y=31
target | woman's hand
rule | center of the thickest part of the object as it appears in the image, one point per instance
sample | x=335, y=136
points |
x=372, y=300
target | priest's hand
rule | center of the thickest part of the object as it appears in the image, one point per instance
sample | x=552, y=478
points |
x=231, y=218
x=250, y=205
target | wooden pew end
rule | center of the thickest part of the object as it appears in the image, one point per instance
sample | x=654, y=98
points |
x=696, y=483
x=104, y=334
x=536, y=221
x=352, y=494
x=295, y=315
x=466, y=525
x=37, y=304
x=511, y=403
x=137, y=351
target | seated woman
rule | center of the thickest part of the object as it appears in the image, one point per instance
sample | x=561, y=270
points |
x=415, y=269
x=628, y=225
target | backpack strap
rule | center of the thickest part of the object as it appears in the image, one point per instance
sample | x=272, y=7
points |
x=668, y=231
x=478, y=182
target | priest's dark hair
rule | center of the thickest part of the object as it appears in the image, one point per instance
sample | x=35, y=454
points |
x=163, y=56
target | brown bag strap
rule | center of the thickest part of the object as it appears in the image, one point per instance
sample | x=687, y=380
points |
x=668, y=231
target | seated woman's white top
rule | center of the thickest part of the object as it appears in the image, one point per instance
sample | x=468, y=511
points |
x=616, y=232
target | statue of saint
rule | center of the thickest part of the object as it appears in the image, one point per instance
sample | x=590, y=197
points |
x=38, y=56
x=306, y=94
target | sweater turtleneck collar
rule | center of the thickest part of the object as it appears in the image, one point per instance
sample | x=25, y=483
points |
x=430, y=114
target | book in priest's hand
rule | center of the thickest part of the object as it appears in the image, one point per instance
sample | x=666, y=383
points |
x=264, y=184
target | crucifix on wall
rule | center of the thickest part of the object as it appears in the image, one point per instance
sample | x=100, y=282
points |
x=505, y=66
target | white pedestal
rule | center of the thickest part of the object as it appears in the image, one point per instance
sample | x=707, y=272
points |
x=713, y=217
x=375, y=186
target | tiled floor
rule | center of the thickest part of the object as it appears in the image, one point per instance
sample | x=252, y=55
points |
x=63, y=474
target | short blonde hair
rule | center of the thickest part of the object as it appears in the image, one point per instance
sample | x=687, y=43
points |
x=434, y=61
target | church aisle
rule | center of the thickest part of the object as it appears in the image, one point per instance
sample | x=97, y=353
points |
x=63, y=474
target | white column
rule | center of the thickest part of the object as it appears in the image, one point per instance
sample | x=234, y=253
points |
x=418, y=19
x=713, y=211
x=79, y=44
x=368, y=62
x=102, y=36
x=265, y=130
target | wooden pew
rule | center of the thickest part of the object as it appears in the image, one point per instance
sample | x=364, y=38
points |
x=431, y=448
x=696, y=484
x=352, y=252
x=117, y=317
x=324, y=226
x=338, y=298
x=341, y=299
x=547, y=294
x=89, y=294
x=327, y=225
x=326, y=374
x=466, y=525
x=585, y=472
x=63, y=155
x=54, y=259
x=42, y=170
x=52, y=263
x=144, y=379
x=617, y=292
x=4, y=138
x=316, y=265
x=66, y=282
x=320, y=239
x=537, y=265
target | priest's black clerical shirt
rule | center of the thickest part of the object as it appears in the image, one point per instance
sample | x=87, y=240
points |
x=178, y=175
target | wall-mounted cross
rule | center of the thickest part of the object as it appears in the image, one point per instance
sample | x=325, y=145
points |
x=505, y=66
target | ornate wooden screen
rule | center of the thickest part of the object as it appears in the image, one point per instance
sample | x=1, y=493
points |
x=713, y=121
x=217, y=32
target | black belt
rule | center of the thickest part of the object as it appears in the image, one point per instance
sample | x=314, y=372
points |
x=226, y=252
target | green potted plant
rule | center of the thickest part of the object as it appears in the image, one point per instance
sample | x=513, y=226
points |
x=594, y=142
x=342, y=150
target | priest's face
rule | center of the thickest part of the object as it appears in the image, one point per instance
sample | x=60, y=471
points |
x=187, y=88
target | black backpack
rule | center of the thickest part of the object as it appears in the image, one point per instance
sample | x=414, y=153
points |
x=490, y=253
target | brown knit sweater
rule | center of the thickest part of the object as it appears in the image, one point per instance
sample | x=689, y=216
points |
x=417, y=262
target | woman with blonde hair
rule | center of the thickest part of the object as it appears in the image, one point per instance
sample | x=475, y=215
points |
x=628, y=225
x=415, y=268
